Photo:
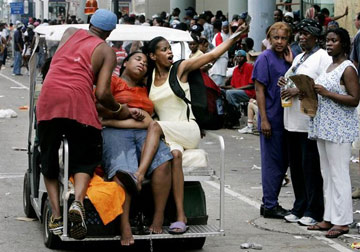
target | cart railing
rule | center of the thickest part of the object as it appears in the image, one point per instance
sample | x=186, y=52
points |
x=195, y=230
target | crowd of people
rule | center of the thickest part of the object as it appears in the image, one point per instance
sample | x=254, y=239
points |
x=316, y=148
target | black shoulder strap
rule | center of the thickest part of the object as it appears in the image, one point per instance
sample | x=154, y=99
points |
x=176, y=88
x=149, y=82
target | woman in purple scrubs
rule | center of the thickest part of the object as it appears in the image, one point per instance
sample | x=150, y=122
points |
x=269, y=66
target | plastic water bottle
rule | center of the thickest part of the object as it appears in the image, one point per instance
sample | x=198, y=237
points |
x=286, y=102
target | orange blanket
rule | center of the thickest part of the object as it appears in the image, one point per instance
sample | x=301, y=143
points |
x=107, y=198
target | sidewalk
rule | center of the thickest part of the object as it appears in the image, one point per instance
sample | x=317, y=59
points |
x=243, y=175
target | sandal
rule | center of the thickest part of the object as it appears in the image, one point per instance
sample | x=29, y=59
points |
x=317, y=227
x=336, y=232
x=173, y=229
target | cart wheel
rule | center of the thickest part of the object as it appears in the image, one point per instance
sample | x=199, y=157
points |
x=28, y=208
x=194, y=243
x=50, y=240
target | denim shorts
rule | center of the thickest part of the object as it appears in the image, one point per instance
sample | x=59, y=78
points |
x=122, y=151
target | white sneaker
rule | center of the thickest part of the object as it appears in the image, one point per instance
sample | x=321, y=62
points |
x=245, y=130
x=307, y=221
x=291, y=218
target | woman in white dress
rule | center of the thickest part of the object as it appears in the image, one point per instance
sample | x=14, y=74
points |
x=179, y=131
x=335, y=127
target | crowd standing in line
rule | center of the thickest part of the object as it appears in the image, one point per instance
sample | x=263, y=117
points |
x=291, y=46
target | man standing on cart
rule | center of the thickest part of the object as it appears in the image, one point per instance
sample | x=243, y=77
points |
x=66, y=107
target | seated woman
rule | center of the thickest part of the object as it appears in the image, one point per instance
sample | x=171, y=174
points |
x=124, y=139
x=180, y=132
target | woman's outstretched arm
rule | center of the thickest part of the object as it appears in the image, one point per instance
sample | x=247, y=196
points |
x=195, y=63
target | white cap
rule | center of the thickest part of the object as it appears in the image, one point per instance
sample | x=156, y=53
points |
x=289, y=14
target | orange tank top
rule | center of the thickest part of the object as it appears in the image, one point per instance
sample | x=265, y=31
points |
x=134, y=97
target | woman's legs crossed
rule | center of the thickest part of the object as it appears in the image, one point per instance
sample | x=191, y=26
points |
x=149, y=149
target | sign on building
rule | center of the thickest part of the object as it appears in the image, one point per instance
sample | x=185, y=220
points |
x=17, y=8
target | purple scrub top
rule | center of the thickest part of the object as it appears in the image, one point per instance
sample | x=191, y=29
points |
x=267, y=70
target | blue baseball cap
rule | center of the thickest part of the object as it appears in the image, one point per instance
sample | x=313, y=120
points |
x=225, y=23
x=240, y=53
x=104, y=20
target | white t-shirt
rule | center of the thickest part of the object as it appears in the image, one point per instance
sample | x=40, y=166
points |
x=294, y=119
x=230, y=71
x=220, y=65
x=176, y=50
x=4, y=33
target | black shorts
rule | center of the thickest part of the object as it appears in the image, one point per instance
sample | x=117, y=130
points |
x=85, y=146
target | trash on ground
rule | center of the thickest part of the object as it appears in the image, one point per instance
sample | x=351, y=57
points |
x=227, y=186
x=24, y=107
x=209, y=142
x=355, y=245
x=1, y=96
x=298, y=237
x=24, y=219
x=354, y=159
x=19, y=149
x=7, y=113
x=250, y=245
x=352, y=236
x=237, y=137
x=357, y=211
x=288, y=192
x=256, y=187
x=255, y=167
x=7, y=194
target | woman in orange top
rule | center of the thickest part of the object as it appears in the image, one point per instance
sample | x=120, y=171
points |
x=123, y=142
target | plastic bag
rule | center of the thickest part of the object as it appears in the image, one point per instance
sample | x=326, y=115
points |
x=7, y=113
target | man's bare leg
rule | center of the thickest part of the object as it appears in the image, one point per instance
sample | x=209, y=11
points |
x=161, y=184
x=52, y=188
x=81, y=183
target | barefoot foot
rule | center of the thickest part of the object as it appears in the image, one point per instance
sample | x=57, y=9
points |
x=156, y=226
x=127, y=238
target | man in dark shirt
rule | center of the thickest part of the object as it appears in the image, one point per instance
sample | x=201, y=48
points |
x=18, y=48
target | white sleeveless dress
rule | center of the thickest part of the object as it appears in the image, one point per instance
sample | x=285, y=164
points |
x=180, y=133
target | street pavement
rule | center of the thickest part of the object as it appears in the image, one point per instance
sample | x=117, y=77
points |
x=242, y=200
